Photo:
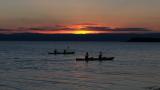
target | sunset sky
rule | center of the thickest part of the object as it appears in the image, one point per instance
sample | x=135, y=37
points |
x=78, y=16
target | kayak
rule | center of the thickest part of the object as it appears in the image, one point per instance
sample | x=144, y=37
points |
x=66, y=53
x=96, y=59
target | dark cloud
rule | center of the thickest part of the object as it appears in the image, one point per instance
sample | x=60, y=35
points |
x=131, y=29
x=9, y=31
x=1, y=29
x=103, y=28
x=97, y=28
x=55, y=27
x=88, y=24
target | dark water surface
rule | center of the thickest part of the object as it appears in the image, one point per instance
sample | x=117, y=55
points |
x=27, y=66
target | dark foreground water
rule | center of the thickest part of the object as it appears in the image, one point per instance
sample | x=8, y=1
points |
x=27, y=66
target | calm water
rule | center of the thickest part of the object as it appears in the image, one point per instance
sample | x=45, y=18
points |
x=27, y=66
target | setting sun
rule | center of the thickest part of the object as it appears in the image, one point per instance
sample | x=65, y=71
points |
x=84, y=32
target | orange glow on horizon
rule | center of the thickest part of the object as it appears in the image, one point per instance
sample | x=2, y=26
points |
x=71, y=32
x=85, y=32
x=74, y=29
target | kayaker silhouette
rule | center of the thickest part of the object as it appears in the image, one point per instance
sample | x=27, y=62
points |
x=55, y=51
x=100, y=55
x=64, y=51
x=86, y=56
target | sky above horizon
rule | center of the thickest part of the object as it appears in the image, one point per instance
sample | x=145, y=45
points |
x=108, y=13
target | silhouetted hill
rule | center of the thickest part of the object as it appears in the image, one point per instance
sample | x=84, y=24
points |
x=144, y=39
x=72, y=37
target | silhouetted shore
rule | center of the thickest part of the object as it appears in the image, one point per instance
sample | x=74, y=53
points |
x=147, y=39
x=155, y=37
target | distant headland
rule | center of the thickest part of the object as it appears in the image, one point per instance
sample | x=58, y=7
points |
x=148, y=37
x=144, y=39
